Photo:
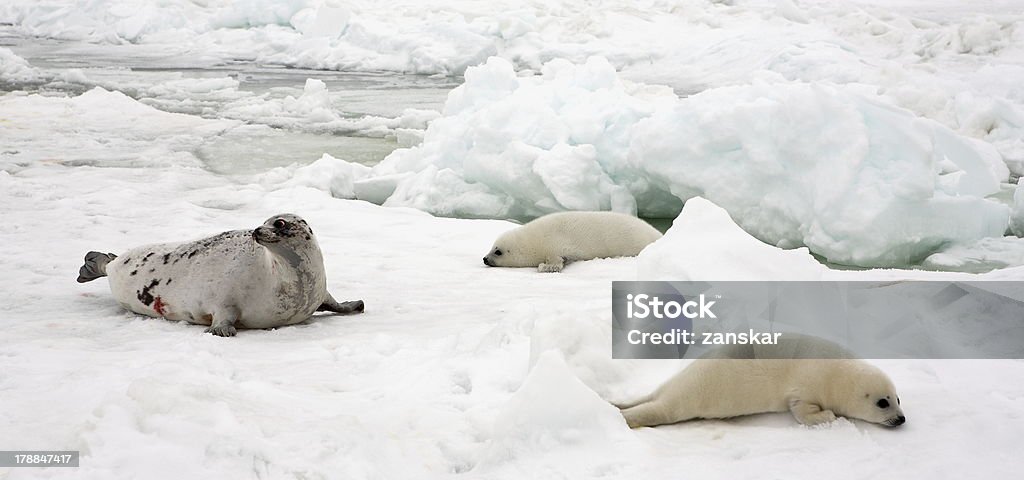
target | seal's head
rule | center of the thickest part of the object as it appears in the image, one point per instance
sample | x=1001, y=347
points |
x=284, y=231
x=510, y=251
x=875, y=398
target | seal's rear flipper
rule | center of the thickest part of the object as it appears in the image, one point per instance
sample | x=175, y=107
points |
x=633, y=403
x=332, y=305
x=648, y=414
x=95, y=266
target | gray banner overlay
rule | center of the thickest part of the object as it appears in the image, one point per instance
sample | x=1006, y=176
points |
x=880, y=320
x=38, y=458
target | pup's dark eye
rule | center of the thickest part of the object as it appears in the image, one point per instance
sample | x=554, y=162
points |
x=883, y=403
x=497, y=253
x=897, y=400
x=279, y=223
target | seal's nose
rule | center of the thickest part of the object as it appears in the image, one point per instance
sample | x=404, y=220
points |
x=900, y=420
x=487, y=262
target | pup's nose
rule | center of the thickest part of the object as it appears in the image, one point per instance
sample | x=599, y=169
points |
x=487, y=262
x=900, y=420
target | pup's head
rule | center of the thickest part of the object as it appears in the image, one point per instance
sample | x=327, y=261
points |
x=508, y=251
x=874, y=398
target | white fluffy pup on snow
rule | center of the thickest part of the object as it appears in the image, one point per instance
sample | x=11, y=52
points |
x=552, y=241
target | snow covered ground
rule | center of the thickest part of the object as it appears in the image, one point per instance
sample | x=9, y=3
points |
x=456, y=369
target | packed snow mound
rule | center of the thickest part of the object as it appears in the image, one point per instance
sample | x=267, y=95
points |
x=856, y=181
x=695, y=247
x=704, y=243
x=14, y=69
x=815, y=165
x=553, y=410
x=521, y=147
x=328, y=174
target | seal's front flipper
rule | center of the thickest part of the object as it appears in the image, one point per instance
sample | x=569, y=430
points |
x=223, y=324
x=95, y=266
x=809, y=413
x=332, y=305
x=552, y=265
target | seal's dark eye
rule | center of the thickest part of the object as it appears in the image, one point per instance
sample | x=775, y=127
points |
x=883, y=403
x=897, y=400
x=497, y=253
x=279, y=223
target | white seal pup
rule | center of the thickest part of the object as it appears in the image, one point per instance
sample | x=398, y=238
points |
x=552, y=241
x=813, y=379
x=263, y=278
